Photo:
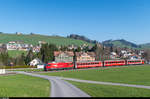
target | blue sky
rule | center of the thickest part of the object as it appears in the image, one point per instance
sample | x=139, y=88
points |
x=96, y=19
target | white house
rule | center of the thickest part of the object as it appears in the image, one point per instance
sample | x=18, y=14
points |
x=113, y=53
x=2, y=71
x=35, y=62
x=123, y=51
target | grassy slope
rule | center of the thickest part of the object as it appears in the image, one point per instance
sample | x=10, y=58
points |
x=23, y=86
x=120, y=44
x=97, y=90
x=33, y=39
x=15, y=53
x=125, y=74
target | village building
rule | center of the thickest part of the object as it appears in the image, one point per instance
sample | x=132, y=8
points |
x=71, y=47
x=35, y=62
x=113, y=55
x=134, y=56
x=36, y=49
x=66, y=56
x=17, y=45
x=85, y=56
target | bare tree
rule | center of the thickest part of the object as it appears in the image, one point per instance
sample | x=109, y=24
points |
x=146, y=55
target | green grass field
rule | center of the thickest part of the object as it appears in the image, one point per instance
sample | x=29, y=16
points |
x=96, y=90
x=126, y=74
x=23, y=86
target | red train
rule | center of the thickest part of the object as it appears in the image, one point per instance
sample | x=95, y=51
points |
x=77, y=65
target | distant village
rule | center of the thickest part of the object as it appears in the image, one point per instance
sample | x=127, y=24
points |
x=68, y=55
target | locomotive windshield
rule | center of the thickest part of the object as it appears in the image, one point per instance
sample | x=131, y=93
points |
x=48, y=65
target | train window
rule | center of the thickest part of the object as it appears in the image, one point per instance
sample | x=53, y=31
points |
x=48, y=65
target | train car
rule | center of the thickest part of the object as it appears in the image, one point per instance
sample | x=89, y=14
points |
x=88, y=64
x=135, y=62
x=59, y=65
x=114, y=62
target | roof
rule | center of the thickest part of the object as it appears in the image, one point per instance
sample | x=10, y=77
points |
x=92, y=54
x=69, y=53
x=37, y=60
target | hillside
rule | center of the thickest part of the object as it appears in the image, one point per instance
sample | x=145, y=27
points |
x=121, y=43
x=147, y=45
x=33, y=39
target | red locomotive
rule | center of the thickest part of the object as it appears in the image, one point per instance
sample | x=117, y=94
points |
x=60, y=65
x=77, y=65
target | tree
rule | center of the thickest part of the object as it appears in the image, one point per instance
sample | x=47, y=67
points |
x=4, y=58
x=63, y=48
x=20, y=60
x=29, y=57
x=31, y=33
x=78, y=49
x=146, y=55
x=111, y=49
x=99, y=51
x=46, y=53
x=86, y=49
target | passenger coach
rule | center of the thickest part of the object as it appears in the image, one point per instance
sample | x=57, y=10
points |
x=114, y=62
x=89, y=64
x=135, y=62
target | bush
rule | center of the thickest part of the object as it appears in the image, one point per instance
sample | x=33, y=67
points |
x=9, y=67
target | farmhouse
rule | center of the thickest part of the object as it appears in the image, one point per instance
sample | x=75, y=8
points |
x=66, y=56
x=85, y=56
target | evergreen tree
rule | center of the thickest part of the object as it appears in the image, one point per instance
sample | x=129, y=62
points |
x=29, y=57
x=78, y=49
x=111, y=49
x=46, y=53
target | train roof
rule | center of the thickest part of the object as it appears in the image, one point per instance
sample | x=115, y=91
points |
x=87, y=61
x=134, y=59
x=116, y=60
x=58, y=62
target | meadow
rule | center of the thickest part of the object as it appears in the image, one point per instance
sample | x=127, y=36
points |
x=20, y=85
x=97, y=90
x=139, y=75
x=121, y=74
x=124, y=74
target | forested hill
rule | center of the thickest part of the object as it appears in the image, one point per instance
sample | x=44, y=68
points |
x=35, y=38
x=83, y=38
